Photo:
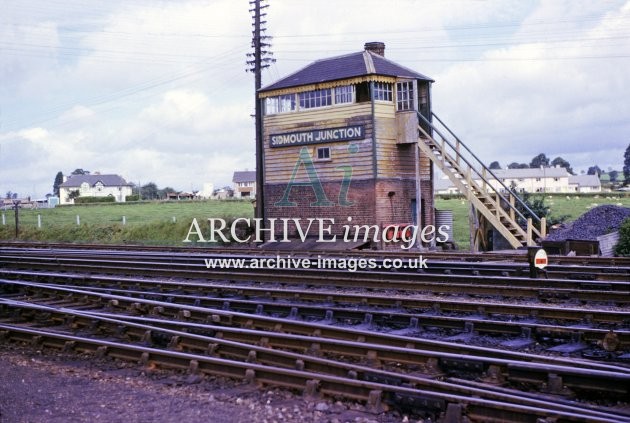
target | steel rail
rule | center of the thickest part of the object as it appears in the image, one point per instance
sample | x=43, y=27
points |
x=267, y=356
x=617, y=292
x=432, y=360
x=434, y=305
x=249, y=321
x=436, y=266
x=200, y=266
x=387, y=318
x=370, y=392
x=461, y=256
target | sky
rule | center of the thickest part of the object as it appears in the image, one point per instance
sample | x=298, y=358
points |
x=157, y=91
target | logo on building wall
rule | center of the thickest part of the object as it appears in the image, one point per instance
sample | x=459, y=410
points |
x=305, y=159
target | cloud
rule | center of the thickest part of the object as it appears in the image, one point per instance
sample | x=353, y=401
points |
x=543, y=97
x=158, y=92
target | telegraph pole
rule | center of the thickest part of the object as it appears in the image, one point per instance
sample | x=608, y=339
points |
x=258, y=61
x=16, y=206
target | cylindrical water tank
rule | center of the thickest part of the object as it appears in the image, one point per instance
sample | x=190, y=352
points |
x=445, y=217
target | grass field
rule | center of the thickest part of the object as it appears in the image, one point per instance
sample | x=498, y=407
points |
x=145, y=223
x=560, y=205
x=152, y=223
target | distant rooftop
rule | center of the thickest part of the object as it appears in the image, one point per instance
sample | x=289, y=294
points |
x=537, y=172
x=244, y=176
x=106, y=180
x=585, y=180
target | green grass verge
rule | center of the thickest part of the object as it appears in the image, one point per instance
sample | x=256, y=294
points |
x=151, y=223
x=560, y=205
x=146, y=223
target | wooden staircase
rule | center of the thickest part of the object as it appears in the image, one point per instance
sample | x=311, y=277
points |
x=491, y=199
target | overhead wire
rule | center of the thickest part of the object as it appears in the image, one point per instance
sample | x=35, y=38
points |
x=417, y=40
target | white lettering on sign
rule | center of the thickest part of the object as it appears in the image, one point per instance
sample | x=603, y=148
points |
x=347, y=133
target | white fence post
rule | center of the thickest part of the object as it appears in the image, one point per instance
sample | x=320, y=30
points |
x=174, y=219
x=78, y=220
x=39, y=221
x=124, y=220
x=4, y=219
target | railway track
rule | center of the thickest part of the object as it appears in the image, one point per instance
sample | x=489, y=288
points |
x=440, y=265
x=278, y=368
x=59, y=296
x=392, y=339
x=514, y=257
x=528, y=321
x=617, y=292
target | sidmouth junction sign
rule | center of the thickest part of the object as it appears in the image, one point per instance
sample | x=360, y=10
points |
x=346, y=133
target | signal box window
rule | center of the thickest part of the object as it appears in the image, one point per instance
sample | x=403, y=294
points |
x=382, y=91
x=323, y=153
x=344, y=94
x=404, y=95
x=316, y=98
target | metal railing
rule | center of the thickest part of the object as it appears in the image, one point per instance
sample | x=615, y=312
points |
x=457, y=148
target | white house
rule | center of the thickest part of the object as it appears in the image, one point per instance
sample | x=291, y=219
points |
x=540, y=179
x=444, y=185
x=244, y=184
x=94, y=186
x=585, y=183
x=532, y=180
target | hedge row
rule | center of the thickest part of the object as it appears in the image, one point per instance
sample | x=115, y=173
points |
x=84, y=200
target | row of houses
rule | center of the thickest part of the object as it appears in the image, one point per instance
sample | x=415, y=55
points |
x=542, y=180
x=101, y=185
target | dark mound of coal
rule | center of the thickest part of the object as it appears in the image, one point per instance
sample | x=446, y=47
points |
x=596, y=222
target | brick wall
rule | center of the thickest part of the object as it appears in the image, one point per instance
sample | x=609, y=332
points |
x=369, y=204
x=360, y=196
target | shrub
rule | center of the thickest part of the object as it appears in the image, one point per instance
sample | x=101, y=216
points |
x=85, y=200
x=134, y=197
x=623, y=246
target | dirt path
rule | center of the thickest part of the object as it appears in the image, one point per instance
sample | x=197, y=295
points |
x=56, y=387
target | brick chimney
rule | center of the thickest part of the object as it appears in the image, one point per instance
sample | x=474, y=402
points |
x=376, y=47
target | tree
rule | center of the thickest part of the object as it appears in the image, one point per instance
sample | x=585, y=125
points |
x=495, y=165
x=559, y=161
x=57, y=183
x=80, y=172
x=594, y=170
x=623, y=246
x=613, y=175
x=229, y=190
x=149, y=191
x=73, y=194
x=515, y=165
x=626, y=166
x=165, y=191
x=9, y=195
x=539, y=160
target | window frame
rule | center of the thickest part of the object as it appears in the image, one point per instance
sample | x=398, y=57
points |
x=315, y=99
x=405, y=96
x=312, y=99
x=278, y=104
x=347, y=92
x=328, y=155
x=383, y=91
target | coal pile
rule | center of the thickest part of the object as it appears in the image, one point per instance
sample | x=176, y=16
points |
x=596, y=222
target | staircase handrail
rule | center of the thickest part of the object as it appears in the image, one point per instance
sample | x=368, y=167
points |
x=534, y=216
